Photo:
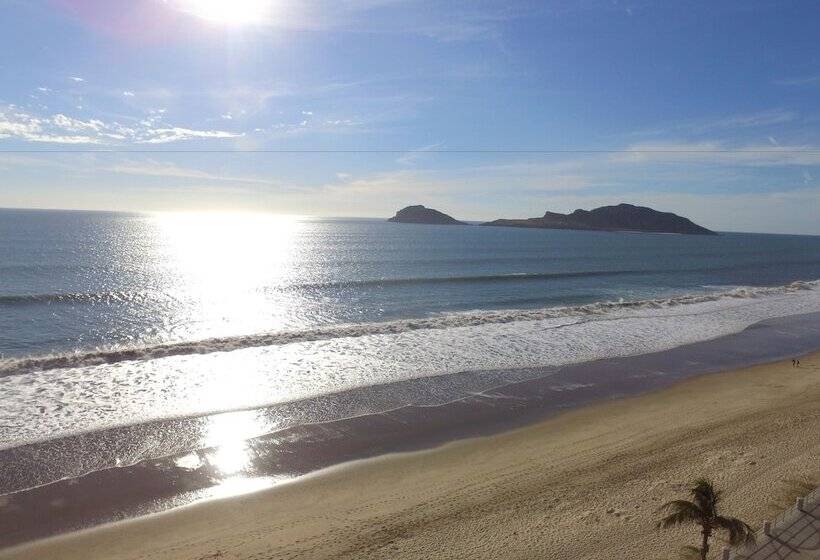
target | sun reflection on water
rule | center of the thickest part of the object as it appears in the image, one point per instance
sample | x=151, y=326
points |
x=239, y=485
x=228, y=435
x=230, y=458
x=222, y=268
x=225, y=273
x=218, y=250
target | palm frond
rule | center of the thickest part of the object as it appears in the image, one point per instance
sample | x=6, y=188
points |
x=739, y=532
x=705, y=496
x=682, y=512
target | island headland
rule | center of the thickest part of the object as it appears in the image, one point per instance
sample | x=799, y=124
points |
x=622, y=217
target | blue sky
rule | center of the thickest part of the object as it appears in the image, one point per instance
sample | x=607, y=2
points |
x=707, y=109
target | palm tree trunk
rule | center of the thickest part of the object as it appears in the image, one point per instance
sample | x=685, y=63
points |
x=704, y=549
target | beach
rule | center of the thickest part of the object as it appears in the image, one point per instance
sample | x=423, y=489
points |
x=394, y=280
x=148, y=374
x=584, y=484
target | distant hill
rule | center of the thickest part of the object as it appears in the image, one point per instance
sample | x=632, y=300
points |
x=623, y=217
x=420, y=215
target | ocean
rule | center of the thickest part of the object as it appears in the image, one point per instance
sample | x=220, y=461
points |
x=209, y=343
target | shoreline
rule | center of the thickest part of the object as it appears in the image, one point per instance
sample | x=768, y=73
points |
x=154, y=485
x=584, y=482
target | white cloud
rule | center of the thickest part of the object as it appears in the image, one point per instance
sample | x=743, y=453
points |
x=76, y=125
x=76, y=79
x=128, y=93
x=63, y=129
x=306, y=126
x=175, y=134
x=717, y=153
x=17, y=124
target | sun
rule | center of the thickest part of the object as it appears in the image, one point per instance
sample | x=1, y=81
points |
x=228, y=12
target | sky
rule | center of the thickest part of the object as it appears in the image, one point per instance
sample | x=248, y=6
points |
x=359, y=107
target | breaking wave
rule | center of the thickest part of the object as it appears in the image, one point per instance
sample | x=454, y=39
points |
x=113, y=355
x=86, y=298
x=113, y=297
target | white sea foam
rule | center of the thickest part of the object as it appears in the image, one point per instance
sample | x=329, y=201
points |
x=58, y=395
x=445, y=321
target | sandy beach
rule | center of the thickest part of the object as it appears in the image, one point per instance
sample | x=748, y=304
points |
x=584, y=484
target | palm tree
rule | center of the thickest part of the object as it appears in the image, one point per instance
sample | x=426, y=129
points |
x=702, y=510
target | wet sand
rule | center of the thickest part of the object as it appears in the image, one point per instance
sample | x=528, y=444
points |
x=64, y=485
x=583, y=484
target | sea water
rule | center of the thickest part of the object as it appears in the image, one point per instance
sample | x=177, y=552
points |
x=110, y=320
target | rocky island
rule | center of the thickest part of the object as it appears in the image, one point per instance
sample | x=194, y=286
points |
x=623, y=217
x=420, y=215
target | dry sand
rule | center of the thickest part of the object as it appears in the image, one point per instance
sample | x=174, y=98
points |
x=585, y=484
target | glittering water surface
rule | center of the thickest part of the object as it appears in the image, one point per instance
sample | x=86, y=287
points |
x=113, y=319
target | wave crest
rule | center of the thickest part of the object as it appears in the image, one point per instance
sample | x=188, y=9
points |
x=16, y=366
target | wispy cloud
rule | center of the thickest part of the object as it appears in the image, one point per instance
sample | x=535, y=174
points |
x=762, y=118
x=770, y=117
x=63, y=129
x=799, y=81
x=529, y=179
x=175, y=134
x=412, y=157
x=717, y=153
x=309, y=124
x=153, y=168
x=15, y=124
x=9, y=161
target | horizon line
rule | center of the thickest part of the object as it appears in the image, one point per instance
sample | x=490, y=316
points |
x=773, y=149
x=307, y=216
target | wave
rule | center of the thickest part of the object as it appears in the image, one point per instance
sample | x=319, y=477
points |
x=140, y=296
x=15, y=366
x=82, y=297
x=510, y=277
x=113, y=297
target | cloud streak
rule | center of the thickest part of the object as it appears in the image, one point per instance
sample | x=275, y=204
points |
x=152, y=168
x=716, y=153
x=799, y=81
x=63, y=129
x=768, y=118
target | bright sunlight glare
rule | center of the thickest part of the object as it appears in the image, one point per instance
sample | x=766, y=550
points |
x=229, y=12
